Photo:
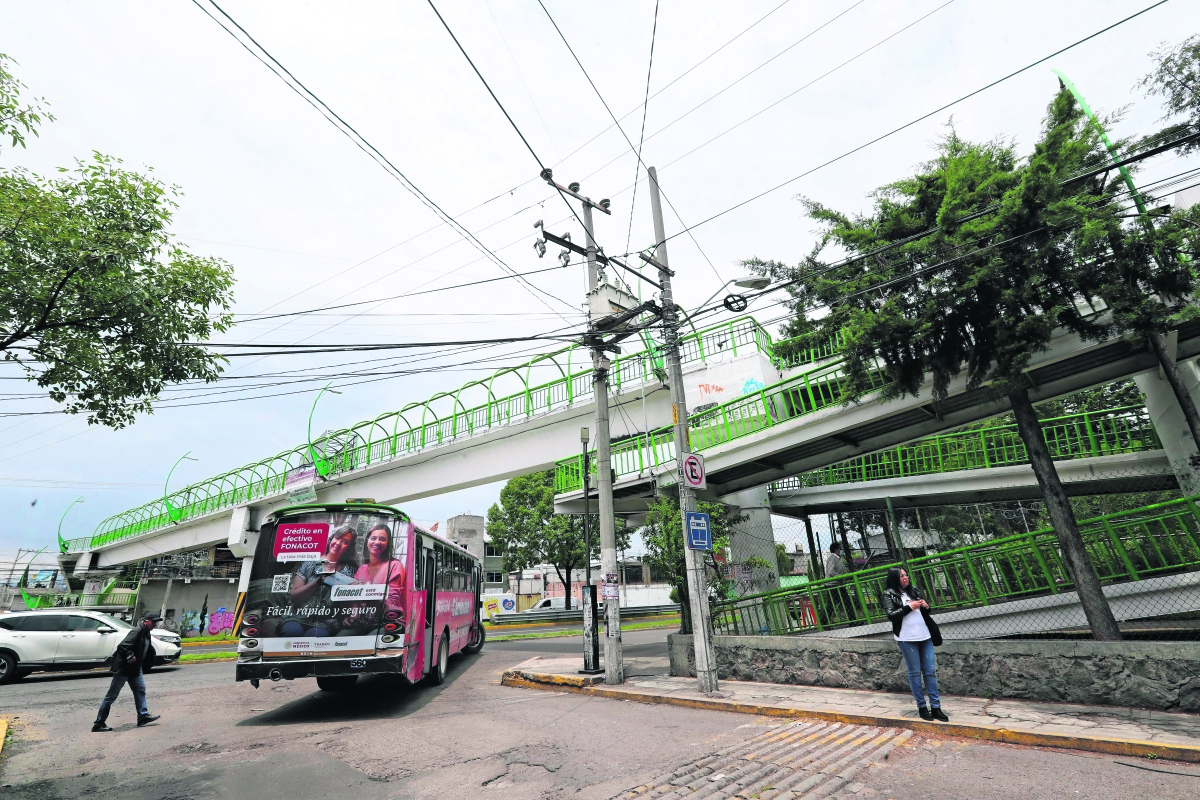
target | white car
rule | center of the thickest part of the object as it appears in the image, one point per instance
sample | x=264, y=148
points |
x=57, y=639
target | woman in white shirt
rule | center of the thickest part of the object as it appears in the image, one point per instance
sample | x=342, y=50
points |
x=912, y=634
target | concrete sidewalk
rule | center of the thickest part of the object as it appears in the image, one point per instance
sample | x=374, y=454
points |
x=1103, y=729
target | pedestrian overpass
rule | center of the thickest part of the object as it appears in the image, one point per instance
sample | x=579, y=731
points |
x=786, y=417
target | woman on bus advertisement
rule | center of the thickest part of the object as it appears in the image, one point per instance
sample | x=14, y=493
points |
x=312, y=587
x=381, y=568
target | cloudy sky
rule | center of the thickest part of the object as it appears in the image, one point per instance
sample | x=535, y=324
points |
x=744, y=96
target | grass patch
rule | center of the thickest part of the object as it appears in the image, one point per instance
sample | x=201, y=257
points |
x=209, y=639
x=220, y=656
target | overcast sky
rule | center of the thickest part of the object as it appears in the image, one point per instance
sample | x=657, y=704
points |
x=308, y=220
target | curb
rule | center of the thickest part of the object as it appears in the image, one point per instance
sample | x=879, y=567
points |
x=186, y=643
x=182, y=663
x=3, y=733
x=587, y=684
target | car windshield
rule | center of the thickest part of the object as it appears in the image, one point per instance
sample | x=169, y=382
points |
x=119, y=624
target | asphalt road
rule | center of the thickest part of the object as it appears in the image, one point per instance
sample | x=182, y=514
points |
x=469, y=738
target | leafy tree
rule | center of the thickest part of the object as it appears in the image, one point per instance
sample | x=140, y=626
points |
x=98, y=304
x=972, y=264
x=665, y=551
x=16, y=120
x=783, y=561
x=1176, y=78
x=524, y=526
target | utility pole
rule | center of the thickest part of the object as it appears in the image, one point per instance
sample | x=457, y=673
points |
x=608, y=530
x=706, y=662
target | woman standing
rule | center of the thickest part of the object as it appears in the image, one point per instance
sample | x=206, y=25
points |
x=912, y=633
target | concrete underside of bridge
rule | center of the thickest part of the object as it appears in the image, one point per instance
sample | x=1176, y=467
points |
x=1128, y=472
x=840, y=433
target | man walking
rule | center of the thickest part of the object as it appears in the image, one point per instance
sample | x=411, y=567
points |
x=130, y=655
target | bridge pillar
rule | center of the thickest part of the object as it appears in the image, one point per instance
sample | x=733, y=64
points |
x=242, y=541
x=1169, y=423
x=752, y=543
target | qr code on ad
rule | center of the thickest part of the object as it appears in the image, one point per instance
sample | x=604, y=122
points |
x=281, y=583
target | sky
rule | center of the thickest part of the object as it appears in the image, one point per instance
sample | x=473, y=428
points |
x=744, y=96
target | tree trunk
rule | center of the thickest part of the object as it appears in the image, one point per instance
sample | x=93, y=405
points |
x=813, y=556
x=889, y=538
x=1171, y=370
x=1058, y=507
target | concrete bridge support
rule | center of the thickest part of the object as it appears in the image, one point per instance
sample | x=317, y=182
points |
x=1168, y=421
x=753, y=540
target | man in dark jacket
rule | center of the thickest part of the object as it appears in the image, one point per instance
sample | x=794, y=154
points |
x=133, y=651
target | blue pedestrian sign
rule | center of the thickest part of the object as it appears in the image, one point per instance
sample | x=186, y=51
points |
x=699, y=530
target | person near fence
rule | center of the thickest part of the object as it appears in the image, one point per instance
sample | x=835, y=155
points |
x=839, y=600
x=134, y=650
x=915, y=634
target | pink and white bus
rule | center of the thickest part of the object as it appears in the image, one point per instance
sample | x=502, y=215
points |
x=347, y=589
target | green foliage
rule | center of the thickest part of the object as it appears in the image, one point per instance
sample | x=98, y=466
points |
x=98, y=303
x=990, y=254
x=783, y=561
x=17, y=120
x=524, y=526
x=662, y=536
x=1176, y=78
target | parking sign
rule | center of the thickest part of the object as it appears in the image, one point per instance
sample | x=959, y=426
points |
x=699, y=530
x=692, y=471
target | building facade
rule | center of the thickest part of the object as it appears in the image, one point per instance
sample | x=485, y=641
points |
x=470, y=531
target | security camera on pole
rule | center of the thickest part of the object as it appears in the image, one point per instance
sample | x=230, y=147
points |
x=691, y=467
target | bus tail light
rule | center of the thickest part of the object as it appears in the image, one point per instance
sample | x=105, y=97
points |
x=250, y=632
x=250, y=644
x=391, y=627
x=250, y=619
x=392, y=614
x=388, y=638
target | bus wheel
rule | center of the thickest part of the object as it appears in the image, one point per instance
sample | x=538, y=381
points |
x=478, y=637
x=437, y=675
x=336, y=683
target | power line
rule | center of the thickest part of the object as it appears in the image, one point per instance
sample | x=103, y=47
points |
x=360, y=141
x=637, y=166
x=591, y=83
x=921, y=118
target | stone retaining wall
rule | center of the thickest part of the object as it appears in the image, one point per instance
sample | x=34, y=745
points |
x=1153, y=675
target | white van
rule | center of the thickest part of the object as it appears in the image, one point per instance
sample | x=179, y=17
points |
x=553, y=604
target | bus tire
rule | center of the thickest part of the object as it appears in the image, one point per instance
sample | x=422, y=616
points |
x=336, y=683
x=478, y=637
x=437, y=675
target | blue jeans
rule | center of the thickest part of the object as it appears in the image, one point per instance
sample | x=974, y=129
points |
x=136, y=684
x=919, y=658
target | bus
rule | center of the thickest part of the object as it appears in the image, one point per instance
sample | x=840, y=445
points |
x=339, y=590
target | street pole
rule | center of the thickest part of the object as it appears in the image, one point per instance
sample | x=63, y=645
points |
x=706, y=662
x=587, y=597
x=608, y=531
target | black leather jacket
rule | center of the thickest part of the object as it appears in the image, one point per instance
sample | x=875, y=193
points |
x=896, y=609
x=137, y=643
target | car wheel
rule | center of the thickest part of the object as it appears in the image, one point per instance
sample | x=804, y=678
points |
x=8, y=668
x=437, y=675
x=336, y=683
x=478, y=637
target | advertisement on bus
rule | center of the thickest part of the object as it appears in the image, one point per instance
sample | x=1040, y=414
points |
x=328, y=583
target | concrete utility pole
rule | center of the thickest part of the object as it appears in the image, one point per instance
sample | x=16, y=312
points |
x=706, y=662
x=608, y=531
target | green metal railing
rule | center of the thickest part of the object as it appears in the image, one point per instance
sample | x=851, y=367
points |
x=759, y=410
x=1092, y=433
x=419, y=426
x=1127, y=546
x=119, y=594
x=801, y=350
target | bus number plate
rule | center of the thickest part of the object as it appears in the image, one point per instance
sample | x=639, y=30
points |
x=358, y=663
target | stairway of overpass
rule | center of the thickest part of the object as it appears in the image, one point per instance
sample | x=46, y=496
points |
x=1147, y=559
x=786, y=417
x=1106, y=451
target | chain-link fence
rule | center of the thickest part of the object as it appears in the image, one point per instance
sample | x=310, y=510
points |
x=989, y=569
